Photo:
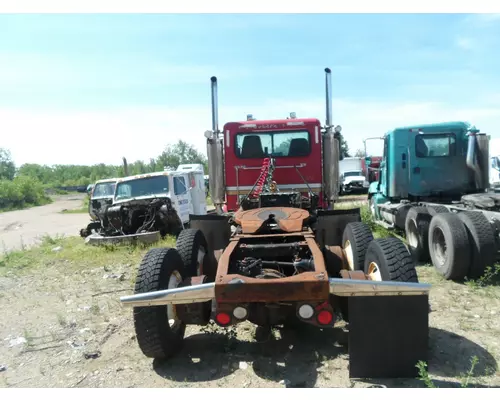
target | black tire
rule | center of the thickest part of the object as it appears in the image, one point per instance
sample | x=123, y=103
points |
x=449, y=246
x=433, y=210
x=388, y=259
x=155, y=336
x=417, y=231
x=482, y=240
x=359, y=236
x=189, y=243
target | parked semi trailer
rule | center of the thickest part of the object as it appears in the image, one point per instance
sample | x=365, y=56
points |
x=434, y=187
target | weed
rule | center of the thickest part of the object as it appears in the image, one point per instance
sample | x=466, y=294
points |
x=490, y=276
x=468, y=376
x=423, y=375
x=29, y=338
x=62, y=320
x=95, y=309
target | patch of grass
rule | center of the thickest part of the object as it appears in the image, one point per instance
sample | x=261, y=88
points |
x=84, y=209
x=366, y=216
x=74, y=255
x=490, y=277
x=423, y=375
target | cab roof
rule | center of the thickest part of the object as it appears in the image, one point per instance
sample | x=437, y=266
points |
x=267, y=123
x=459, y=125
x=143, y=176
x=107, y=180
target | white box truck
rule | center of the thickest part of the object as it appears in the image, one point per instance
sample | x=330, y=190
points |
x=351, y=176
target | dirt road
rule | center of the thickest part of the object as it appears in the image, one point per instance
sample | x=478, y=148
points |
x=23, y=228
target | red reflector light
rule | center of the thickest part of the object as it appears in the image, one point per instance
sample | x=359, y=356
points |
x=325, y=317
x=223, y=318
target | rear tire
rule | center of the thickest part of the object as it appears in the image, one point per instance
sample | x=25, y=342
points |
x=192, y=247
x=433, y=210
x=160, y=269
x=449, y=246
x=417, y=231
x=388, y=259
x=482, y=240
x=355, y=240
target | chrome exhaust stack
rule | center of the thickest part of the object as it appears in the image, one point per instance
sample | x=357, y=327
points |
x=215, y=153
x=215, y=111
x=331, y=149
x=358, y=288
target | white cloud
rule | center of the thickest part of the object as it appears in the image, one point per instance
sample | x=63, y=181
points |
x=105, y=136
x=465, y=43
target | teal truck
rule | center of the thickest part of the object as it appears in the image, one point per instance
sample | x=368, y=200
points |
x=434, y=186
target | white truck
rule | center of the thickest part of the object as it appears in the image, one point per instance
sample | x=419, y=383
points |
x=351, y=175
x=152, y=203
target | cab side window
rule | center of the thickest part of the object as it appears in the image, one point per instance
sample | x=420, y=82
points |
x=179, y=185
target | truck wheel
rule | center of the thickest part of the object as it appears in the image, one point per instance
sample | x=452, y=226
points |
x=388, y=259
x=433, y=210
x=355, y=240
x=449, y=246
x=416, y=232
x=192, y=247
x=159, y=332
x=482, y=239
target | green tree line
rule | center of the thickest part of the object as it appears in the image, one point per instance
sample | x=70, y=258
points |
x=26, y=186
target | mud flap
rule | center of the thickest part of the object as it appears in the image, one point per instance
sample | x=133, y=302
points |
x=330, y=225
x=388, y=336
x=215, y=228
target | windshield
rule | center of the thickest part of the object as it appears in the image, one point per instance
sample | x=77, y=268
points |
x=353, y=173
x=105, y=189
x=155, y=185
x=275, y=144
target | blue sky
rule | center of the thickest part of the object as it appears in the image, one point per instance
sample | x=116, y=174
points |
x=94, y=88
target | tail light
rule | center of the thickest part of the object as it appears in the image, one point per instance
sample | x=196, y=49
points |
x=223, y=318
x=325, y=317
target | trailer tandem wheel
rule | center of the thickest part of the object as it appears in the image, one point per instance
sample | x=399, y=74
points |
x=355, y=240
x=159, y=332
x=449, y=246
x=400, y=323
x=416, y=232
x=482, y=240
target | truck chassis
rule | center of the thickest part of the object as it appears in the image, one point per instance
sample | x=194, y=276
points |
x=280, y=267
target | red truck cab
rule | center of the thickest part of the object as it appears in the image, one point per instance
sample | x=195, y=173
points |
x=294, y=144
